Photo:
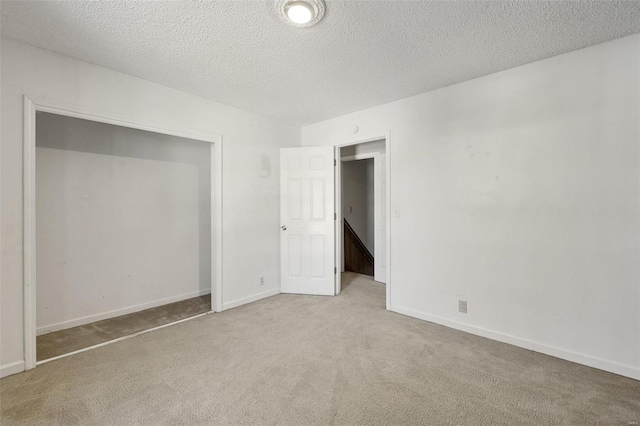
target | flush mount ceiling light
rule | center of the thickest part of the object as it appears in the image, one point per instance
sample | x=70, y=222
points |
x=300, y=13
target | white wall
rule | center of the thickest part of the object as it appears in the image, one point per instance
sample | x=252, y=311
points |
x=373, y=147
x=358, y=199
x=122, y=216
x=519, y=192
x=250, y=164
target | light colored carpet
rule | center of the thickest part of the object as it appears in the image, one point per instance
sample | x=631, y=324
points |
x=69, y=340
x=302, y=360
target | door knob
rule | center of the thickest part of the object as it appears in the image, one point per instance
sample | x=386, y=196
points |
x=284, y=227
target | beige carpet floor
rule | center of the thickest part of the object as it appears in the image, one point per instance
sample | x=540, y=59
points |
x=305, y=360
x=72, y=339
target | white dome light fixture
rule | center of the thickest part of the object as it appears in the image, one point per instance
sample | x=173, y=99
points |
x=300, y=13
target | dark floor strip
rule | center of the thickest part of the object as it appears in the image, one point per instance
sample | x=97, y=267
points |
x=72, y=339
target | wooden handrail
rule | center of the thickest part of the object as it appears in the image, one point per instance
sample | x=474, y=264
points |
x=358, y=240
x=357, y=257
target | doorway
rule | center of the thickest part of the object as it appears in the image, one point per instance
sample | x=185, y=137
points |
x=128, y=228
x=311, y=218
x=358, y=213
x=361, y=206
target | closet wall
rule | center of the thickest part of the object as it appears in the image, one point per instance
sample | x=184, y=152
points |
x=124, y=218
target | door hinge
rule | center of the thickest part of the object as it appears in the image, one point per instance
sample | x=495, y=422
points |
x=335, y=269
x=335, y=162
x=335, y=216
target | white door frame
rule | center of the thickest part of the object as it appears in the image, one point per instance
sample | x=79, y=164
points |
x=340, y=228
x=34, y=104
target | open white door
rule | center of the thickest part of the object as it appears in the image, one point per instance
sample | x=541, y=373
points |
x=307, y=217
x=380, y=222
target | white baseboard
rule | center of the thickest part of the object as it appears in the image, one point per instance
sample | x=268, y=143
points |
x=612, y=367
x=254, y=298
x=11, y=368
x=118, y=312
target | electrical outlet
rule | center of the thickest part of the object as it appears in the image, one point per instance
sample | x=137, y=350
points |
x=462, y=306
x=261, y=280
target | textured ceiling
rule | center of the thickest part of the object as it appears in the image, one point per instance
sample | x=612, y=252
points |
x=362, y=54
